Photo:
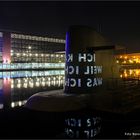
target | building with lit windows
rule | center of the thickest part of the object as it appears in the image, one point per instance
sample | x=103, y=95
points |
x=129, y=65
x=128, y=59
x=20, y=51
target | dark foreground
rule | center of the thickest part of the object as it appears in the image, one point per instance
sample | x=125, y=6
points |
x=24, y=123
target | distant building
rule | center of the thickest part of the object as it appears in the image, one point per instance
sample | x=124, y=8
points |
x=128, y=59
x=21, y=51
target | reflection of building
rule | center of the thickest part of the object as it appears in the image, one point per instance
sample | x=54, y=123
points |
x=23, y=88
x=130, y=73
x=14, y=91
x=130, y=64
x=18, y=51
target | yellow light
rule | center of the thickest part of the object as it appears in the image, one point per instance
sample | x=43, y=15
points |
x=137, y=72
x=130, y=72
x=42, y=55
x=130, y=61
x=124, y=62
x=125, y=57
x=117, y=61
x=121, y=75
x=36, y=54
x=125, y=75
x=137, y=60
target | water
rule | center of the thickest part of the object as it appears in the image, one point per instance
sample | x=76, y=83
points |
x=15, y=89
x=19, y=122
x=17, y=86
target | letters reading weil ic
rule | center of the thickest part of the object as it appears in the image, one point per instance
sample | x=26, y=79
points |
x=89, y=70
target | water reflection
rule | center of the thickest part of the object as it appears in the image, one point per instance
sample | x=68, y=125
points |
x=14, y=91
x=130, y=73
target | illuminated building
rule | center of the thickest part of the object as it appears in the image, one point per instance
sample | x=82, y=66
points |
x=20, y=51
x=129, y=64
x=132, y=59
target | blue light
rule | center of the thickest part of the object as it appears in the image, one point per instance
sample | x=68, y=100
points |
x=67, y=42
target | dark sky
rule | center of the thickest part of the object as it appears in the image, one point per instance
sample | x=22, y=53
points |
x=119, y=21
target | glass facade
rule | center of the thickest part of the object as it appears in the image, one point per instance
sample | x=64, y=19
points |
x=33, y=52
x=25, y=48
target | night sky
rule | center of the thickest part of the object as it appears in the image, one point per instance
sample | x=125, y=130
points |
x=119, y=21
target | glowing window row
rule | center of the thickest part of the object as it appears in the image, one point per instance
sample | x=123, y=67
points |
x=31, y=65
x=37, y=79
x=130, y=73
x=16, y=74
x=18, y=103
x=37, y=38
x=32, y=84
x=30, y=54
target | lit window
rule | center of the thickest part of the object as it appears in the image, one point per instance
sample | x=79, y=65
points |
x=20, y=103
x=12, y=104
x=121, y=75
x=29, y=47
x=124, y=62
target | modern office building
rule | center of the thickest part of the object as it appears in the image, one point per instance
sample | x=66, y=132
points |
x=21, y=51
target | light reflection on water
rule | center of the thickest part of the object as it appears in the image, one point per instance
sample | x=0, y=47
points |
x=130, y=73
x=14, y=91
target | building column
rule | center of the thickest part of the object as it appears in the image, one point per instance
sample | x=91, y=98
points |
x=6, y=55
